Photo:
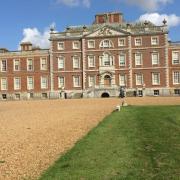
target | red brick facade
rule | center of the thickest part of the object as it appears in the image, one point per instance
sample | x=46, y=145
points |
x=23, y=72
x=97, y=60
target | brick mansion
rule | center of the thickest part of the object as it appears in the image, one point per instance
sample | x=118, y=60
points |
x=94, y=61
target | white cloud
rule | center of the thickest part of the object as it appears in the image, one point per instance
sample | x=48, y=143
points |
x=68, y=2
x=36, y=37
x=74, y=3
x=172, y=19
x=147, y=5
x=86, y=3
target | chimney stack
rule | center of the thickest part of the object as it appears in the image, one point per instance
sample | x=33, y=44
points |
x=26, y=46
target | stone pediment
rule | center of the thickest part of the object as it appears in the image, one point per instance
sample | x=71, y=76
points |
x=106, y=31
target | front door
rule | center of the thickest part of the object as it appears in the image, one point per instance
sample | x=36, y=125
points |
x=107, y=80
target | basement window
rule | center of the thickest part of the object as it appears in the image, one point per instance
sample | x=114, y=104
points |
x=4, y=96
x=156, y=92
x=44, y=95
x=17, y=96
x=177, y=91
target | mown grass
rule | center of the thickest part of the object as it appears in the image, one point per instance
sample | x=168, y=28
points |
x=135, y=143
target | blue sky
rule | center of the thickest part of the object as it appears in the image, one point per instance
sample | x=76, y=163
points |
x=29, y=20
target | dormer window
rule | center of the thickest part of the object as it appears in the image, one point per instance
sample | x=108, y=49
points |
x=106, y=43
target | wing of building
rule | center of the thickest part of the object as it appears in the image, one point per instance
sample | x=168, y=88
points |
x=95, y=61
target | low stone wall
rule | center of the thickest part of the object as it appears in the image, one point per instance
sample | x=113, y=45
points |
x=91, y=93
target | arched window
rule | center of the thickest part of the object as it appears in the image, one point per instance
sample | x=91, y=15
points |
x=106, y=60
x=106, y=43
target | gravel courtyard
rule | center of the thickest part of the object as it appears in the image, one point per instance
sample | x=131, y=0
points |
x=34, y=133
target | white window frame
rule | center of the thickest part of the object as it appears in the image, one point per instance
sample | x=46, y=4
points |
x=75, y=83
x=119, y=42
x=152, y=56
x=2, y=84
x=60, y=47
x=5, y=60
x=61, y=65
x=91, y=62
x=28, y=65
x=41, y=64
x=89, y=46
x=104, y=62
x=139, y=79
x=153, y=80
x=177, y=81
x=17, y=86
x=120, y=80
x=177, y=59
x=73, y=45
x=60, y=84
x=44, y=86
x=14, y=64
x=135, y=41
x=29, y=87
x=120, y=63
x=75, y=64
x=103, y=44
x=136, y=60
x=90, y=82
x=153, y=42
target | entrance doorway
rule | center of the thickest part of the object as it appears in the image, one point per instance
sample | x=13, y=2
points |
x=107, y=80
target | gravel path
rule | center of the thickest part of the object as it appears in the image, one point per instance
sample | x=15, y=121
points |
x=34, y=133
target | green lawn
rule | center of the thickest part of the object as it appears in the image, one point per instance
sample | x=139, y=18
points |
x=135, y=143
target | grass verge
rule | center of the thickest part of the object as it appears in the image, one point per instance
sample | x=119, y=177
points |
x=135, y=143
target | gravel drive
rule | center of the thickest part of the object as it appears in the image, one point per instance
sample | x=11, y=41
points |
x=33, y=134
